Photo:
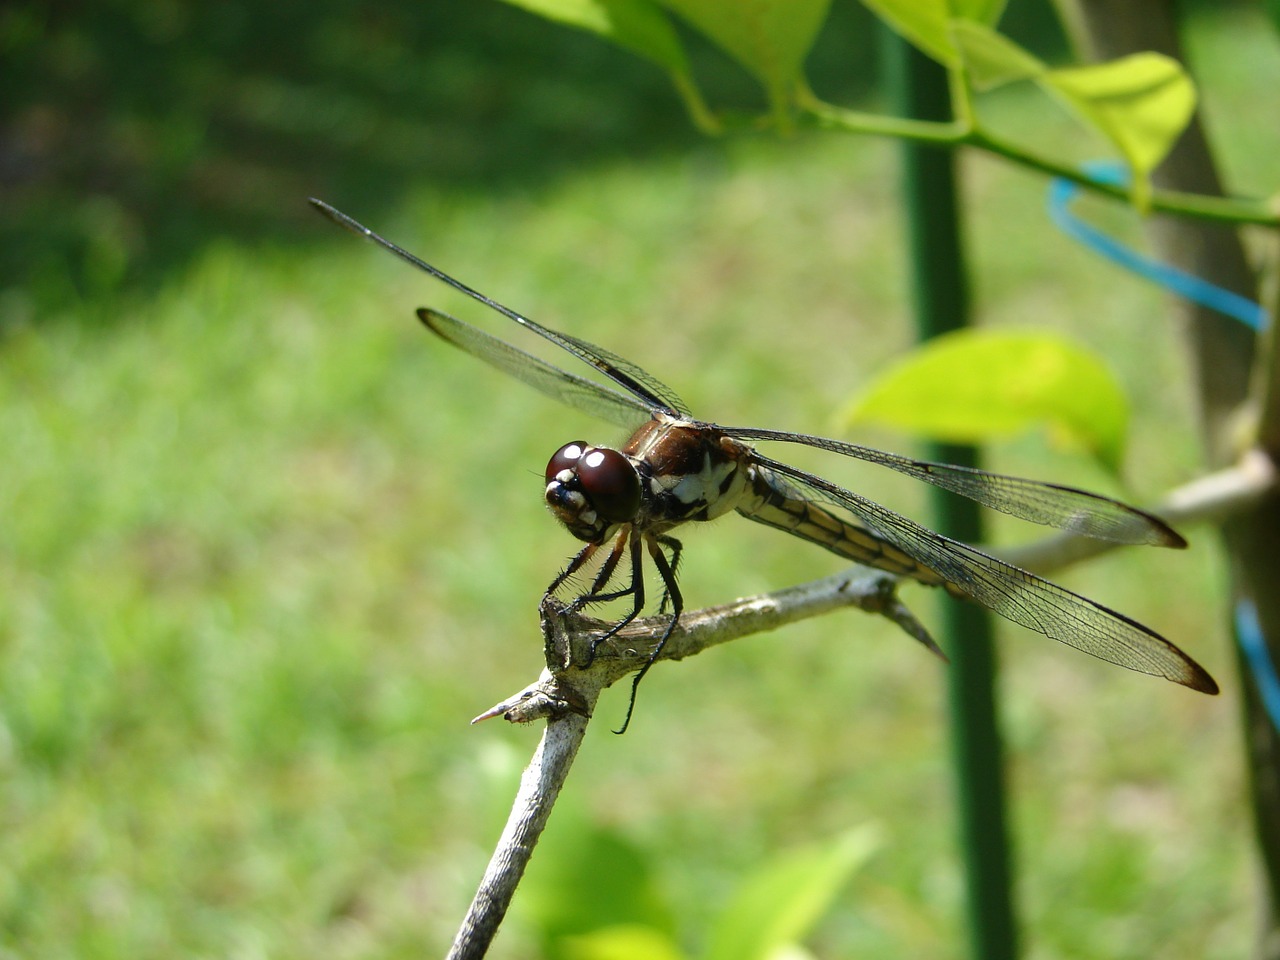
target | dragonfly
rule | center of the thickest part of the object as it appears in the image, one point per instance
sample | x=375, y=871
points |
x=623, y=503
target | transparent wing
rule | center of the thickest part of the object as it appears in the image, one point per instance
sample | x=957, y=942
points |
x=1068, y=508
x=574, y=391
x=656, y=395
x=1011, y=592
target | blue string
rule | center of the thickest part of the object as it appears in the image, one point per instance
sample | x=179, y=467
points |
x=1061, y=192
x=1263, y=668
x=1186, y=285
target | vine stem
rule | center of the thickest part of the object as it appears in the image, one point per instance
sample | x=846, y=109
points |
x=1227, y=210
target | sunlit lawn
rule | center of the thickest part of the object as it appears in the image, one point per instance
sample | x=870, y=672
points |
x=266, y=547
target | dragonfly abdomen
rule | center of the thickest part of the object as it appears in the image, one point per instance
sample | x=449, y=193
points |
x=774, y=507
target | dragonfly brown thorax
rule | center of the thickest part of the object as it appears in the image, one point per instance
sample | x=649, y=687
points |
x=668, y=473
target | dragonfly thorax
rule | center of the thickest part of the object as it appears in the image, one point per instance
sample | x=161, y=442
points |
x=591, y=490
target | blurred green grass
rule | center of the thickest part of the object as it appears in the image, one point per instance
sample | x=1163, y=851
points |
x=266, y=547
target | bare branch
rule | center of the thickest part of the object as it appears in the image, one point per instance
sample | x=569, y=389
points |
x=539, y=787
x=566, y=694
x=574, y=678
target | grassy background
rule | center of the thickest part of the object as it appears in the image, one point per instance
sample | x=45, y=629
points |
x=265, y=547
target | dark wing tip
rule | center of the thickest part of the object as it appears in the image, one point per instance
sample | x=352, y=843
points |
x=424, y=314
x=1199, y=679
x=1141, y=527
x=1166, y=535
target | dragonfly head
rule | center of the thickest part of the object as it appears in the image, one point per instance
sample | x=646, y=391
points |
x=591, y=490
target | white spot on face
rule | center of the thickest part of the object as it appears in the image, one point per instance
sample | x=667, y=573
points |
x=594, y=459
x=572, y=452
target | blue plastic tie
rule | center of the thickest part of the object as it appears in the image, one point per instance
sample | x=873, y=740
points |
x=1197, y=290
x=1263, y=668
x=1186, y=285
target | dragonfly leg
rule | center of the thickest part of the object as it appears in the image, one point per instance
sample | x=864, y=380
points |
x=597, y=594
x=635, y=590
x=675, y=546
x=576, y=564
x=667, y=571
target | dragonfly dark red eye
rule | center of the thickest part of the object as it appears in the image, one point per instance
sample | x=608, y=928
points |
x=566, y=458
x=606, y=479
x=610, y=483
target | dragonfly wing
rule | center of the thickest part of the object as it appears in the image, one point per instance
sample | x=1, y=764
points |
x=1068, y=508
x=1010, y=591
x=620, y=370
x=574, y=391
x=644, y=386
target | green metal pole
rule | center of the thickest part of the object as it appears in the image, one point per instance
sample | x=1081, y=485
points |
x=940, y=303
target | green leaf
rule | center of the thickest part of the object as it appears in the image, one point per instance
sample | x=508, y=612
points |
x=623, y=942
x=1141, y=103
x=991, y=59
x=974, y=386
x=925, y=23
x=592, y=877
x=779, y=904
x=638, y=25
x=770, y=38
x=986, y=12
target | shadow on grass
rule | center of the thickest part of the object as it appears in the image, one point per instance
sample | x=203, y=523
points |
x=133, y=134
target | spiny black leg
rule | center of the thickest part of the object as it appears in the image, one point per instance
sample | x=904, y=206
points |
x=668, y=573
x=636, y=590
x=585, y=554
x=675, y=546
x=610, y=564
x=602, y=578
x=595, y=594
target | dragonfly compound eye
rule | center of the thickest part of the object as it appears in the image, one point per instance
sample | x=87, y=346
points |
x=606, y=479
x=566, y=458
x=610, y=483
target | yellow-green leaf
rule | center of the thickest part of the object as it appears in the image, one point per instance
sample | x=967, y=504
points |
x=990, y=58
x=979, y=11
x=622, y=942
x=770, y=38
x=925, y=23
x=1141, y=103
x=637, y=25
x=779, y=904
x=974, y=386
